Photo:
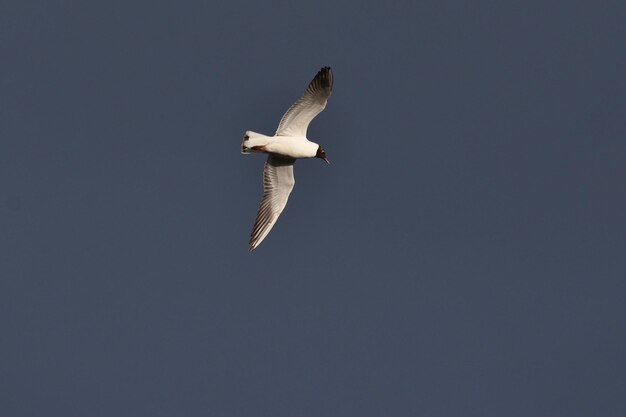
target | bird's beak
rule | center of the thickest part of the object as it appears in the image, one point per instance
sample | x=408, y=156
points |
x=327, y=161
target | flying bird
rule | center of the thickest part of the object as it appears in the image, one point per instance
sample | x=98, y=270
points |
x=288, y=144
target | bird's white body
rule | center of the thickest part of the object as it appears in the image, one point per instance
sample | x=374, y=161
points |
x=288, y=146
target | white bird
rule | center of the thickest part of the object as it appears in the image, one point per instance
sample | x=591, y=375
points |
x=288, y=144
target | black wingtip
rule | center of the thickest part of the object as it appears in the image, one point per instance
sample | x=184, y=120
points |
x=324, y=77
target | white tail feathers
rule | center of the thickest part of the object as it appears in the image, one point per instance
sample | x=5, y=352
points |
x=253, y=142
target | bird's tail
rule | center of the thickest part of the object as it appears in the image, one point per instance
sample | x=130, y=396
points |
x=253, y=142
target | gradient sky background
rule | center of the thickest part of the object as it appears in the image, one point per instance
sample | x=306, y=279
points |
x=464, y=255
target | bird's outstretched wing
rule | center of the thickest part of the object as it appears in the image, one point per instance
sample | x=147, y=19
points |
x=278, y=181
x=297, y=119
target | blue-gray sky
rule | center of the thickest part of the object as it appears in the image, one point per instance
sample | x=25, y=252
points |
x=464, y=255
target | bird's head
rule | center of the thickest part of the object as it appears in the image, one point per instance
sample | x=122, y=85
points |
x=321, y=153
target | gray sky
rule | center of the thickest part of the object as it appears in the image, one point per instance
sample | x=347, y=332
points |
x=464, y=255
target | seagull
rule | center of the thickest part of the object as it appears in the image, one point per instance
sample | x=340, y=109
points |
x=288, y=144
